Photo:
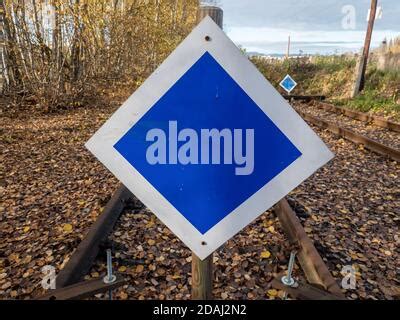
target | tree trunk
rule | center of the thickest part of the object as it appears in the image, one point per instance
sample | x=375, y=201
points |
x=4, y=79
x=57, y=49
x=76, y=47
x=10, y=57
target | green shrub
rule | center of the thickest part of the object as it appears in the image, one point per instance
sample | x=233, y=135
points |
x=333, y=76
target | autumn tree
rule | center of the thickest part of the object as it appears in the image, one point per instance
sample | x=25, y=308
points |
x=60, y=49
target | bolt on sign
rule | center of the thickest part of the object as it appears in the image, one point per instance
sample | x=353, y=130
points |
x=207, y=143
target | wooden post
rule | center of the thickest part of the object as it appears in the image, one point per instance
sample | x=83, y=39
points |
x=288, y=49
x=216, y=13
x=362, y=63
x=202, y=270
x=202, y=278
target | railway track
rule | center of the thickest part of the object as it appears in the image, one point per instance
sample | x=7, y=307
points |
x=374, y=133
x=361, y=116
x=316, y=272
x=80, y=263
x=359, y=182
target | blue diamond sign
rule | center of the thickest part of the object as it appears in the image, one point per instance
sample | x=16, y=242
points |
x=207, y=143
x=288, y=84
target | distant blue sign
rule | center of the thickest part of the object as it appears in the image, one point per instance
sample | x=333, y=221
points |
x=288, y=84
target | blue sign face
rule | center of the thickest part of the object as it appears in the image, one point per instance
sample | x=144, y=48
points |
x=288, y=83
x=206, y=146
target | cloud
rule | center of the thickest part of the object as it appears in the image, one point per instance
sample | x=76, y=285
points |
x=315, y=25
x=306, y=14
x=265, y=35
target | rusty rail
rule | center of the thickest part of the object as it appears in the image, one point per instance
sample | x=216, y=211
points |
x=83, y=290
x=305, y=291
x=315, y=269
x=354, y=137
x=361, y=116
x=85, y=254
x=82, y=259
x=306, y=98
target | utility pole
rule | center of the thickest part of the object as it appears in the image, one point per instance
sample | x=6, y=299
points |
x=288, y=49
x=362, y=65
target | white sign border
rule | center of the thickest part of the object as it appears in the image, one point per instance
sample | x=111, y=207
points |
x=281, y=83
x=314, y=152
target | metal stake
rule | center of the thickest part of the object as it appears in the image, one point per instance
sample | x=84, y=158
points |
x=109, y=278
x=288, y=280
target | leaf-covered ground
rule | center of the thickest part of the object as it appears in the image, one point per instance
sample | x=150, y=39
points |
x=158, y=265
x=354, y=204
x=52, y=190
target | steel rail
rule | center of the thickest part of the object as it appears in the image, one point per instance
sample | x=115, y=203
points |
x=361, y=116
x=83, y=290
x=85, y=254
x=305, y=291
x=306, y=98
x=82, y=259
x=316, y=271
x=354, y=137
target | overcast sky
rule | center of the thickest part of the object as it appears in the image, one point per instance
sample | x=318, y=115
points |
x=315, y=26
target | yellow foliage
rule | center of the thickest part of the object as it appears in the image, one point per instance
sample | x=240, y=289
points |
x=265, y=254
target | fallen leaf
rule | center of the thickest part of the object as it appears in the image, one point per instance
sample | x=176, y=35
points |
x=123, y=296
x=67, y=227
x=6, y=285
x=272, y=293
x=139, y=268
x=154, y=281
x=122, y=269
x=265, y=254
